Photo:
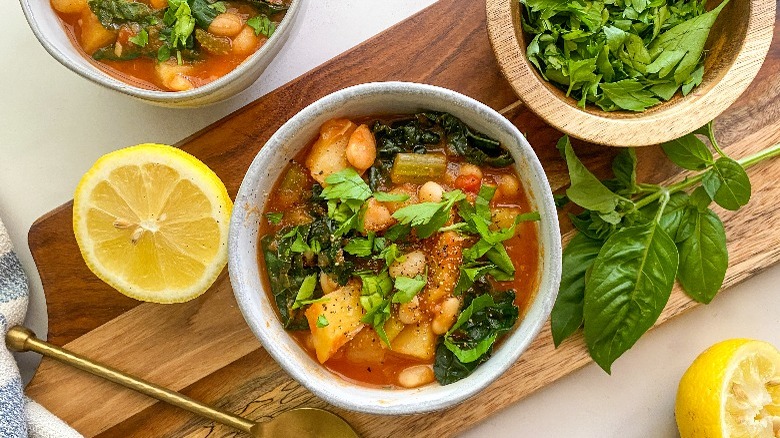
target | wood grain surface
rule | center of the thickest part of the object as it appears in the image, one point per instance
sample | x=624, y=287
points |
x=204, y=349
x=735, y=50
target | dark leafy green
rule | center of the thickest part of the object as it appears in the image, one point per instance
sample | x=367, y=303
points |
x=475, y=147
x=471, y=339
x=112, y=13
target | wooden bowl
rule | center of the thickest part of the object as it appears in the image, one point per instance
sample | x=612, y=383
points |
x=737, y=46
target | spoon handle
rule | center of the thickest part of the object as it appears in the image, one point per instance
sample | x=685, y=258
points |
x=22, y=339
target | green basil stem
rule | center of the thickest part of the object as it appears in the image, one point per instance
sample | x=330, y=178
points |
x=665, y=195
x=746, y=162
x=713, y=141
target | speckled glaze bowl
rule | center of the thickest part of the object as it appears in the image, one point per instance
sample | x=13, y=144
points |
x=47, y=28
x=296, y=134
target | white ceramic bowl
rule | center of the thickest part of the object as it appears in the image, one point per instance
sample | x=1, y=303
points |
x=296, y=134
x=47, y=28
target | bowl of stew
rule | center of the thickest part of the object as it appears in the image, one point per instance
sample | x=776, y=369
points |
x=395, y=247
x=182, y=53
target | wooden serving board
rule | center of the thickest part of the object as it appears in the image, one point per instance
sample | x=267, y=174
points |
x=204, y=349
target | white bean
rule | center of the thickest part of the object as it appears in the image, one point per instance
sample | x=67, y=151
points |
x=412, y=265
x=446, y=317
x=409, y=313
x=361, y=150
x=377, y=216
x=430, y=192
x=226, y=24
x=245, y=42
x=415, y=376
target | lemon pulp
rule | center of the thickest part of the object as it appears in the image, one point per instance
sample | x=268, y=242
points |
x=152, y=222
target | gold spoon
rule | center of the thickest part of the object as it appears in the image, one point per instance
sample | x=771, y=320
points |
x=297, y=423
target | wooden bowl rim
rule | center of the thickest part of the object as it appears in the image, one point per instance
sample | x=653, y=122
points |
x=640, y=129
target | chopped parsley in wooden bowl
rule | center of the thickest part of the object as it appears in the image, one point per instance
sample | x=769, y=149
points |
x=630, y=72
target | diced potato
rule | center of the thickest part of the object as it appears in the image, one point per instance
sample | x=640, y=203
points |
x=393, y=327
x=377, y=217
x=93, y=34
x=417, y=340
x=503, y=217
x=329, y=153
x=343, y=313
x=365, y=347
x=69, y=6
x=446, y=259
x=158, y=4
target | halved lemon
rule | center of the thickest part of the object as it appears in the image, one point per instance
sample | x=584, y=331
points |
x=732, y=390
x=152, y=222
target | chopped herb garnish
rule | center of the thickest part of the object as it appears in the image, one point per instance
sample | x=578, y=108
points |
x=322, y=321
x=262, y=25
x=141, y=39
x=428, y=217
x=407, y=288
x=274, y=218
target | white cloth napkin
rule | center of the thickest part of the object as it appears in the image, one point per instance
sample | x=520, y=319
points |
x=20, y=417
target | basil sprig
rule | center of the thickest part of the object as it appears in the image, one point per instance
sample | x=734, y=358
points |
x=634, y=239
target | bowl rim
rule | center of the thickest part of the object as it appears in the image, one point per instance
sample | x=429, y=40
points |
x=333, y=388
x=640, y=129
x=168, y=97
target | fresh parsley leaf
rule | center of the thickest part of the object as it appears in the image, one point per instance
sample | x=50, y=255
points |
x=322, y=321
x=306, y=291
x=262, y=25
x=361, y=247
x=428, y=217
x=141, y=39
x=407, y=288
x=274, y=218
x=346, y=185
x=376, y=288
x=391, y=254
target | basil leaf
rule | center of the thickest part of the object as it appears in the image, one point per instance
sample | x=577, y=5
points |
x=689, y=152
x=674, y=220
x=627, y=289
x=624, y=168
x=704, y=257
x=728, y=184
x=586, y=190
x=567, y=314
x=700, y=199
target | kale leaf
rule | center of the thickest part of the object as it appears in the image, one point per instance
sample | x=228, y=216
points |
x=470, y=341
x=112, y=13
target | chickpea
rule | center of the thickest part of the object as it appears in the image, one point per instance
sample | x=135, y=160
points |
x=446, y=317
x=508, y=185
x=415, y=376
x=361, y=150
x=226, y=24
x=430, y=192
x=468, y=169
x=69, y=6
x=245, y=42
x=412, y=265
x=327, y=283
x=410, y=313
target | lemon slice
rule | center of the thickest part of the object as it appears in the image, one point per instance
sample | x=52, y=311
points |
x=152, y=222
x=732, y=390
